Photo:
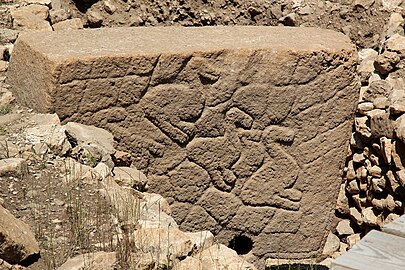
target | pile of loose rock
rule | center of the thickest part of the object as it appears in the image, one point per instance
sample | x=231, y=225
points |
x=373, y=190
x=87, y=154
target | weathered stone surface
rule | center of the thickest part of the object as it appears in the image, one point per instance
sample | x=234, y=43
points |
x=31, y=17
x=90, y=144
x=17, y=240
x=107, y=261
x=216, y=257
x=344, y=227
x=366, y=63
x=49, y=136
x=332, y=245
x=162, y=243
x=58, y=15
x=71, y=24
x=91, y=261
x=130, y=177
x=13, y=166
x=221, y=120
x=202, y=240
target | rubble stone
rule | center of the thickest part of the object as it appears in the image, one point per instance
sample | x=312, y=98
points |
x=17, y=240
x=71, y=24
x=13, y=166
x=344, y=228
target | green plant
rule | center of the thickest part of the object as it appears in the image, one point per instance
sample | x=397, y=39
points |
x=5, y=110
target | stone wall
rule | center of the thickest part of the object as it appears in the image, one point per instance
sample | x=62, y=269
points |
x=243, y=129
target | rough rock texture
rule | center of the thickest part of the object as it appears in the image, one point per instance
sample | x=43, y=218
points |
x=17, y=241
x=243, y=129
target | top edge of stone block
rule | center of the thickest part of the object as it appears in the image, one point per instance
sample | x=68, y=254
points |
x=124, y=41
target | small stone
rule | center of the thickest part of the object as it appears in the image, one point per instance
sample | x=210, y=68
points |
x=360, y=201
x=374, y=77
x=94, y=19
x=98, y=173
x=395, y=25
x=39, y=10
x=394, y=183
x=389, y=203
x=6, y=98
x=353, y=239
x=8, y=35
x=201, y=240
x=71, y=24
x=342, y=205
x=381, y=103
x=59, y=202
x=391, y=217
x=395, y=82
x=351, y=173
x=58, y=15
x=355, y=141
x=40, y=2
x=400, y=128
x=391, y=4
x=136, y=21
x=122, y=159
x=397, y=101
x=362, y=127
x=361, y=172
x=379, y=88
x=365, y=107
x=386, y=62
x=366, y=63
x=356, y=216
x=358, y=157
x=32, y=17
x=364, y=3
x=344, y=228
x=216, y=257
x=398, y=154
x=369, y=217
x=352, y=187
x=332, y=244
x=375, y=171
x=130, y=177
x=3, y=66
x=289, y=20
x=343, y=247
x=396, y=43
x=109, y=6
x=378, y=184
x=17, y=240
x=401, y=177
x=306, y=10
x=50, y=136
x=13, y=166
x=2, y=52
x=375, y=159
x=380, y=124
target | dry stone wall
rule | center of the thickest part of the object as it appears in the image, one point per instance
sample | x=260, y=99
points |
x=372, y=192
x=243, y=129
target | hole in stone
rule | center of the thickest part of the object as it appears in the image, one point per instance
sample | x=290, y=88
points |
x=241, y=244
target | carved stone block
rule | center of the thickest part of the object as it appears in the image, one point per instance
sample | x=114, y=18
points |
x=243, y=129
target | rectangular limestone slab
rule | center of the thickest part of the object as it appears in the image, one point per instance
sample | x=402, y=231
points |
x=243, y=129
